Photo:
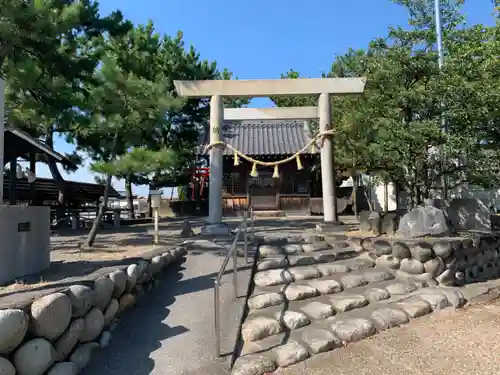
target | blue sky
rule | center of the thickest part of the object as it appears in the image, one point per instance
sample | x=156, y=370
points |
x=265, y=38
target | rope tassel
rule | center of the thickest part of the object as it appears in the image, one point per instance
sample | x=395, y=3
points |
x=299, y=163
x=313, y=148
x=236, y=159
x=254, y=173
x=276, y=173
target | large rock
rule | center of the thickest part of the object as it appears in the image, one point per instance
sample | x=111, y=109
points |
x=382, y=247
x=290, y=353
x=320, y=340
x=349, y=330
x=400, y=288
x=126, y=301
x=156, y=264
x=292, y=319
x=81, y=299
x=105, y=339
x=111, y=311
x=34, y=357
x=304, y=273
x=423, y=221
x=65, y=344
x=13, y=328
x=133, y=273
x=318, y=311
x=293, y=248
x=434, y=266
x=388, y=261
x=94, y=323
x=343, y=303
x=352, y=281
x=272, y=277
x=103, y=289
x=295, y=292
x=255, y=364
x=270, y=250
x=469, y=214
x=6, y=368
x=63, y=368
x=119, y=279
x=272, y=263
x=83, y=354
x=259, y=328
x=329, y=269
x=264, y=300
x=386, y=318
x=50, y=315
x=327, y=286
x=414, y=307
x=412, y=266
x=376, y=294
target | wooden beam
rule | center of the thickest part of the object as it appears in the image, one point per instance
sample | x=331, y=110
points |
x=276, y=113
x=270, y=87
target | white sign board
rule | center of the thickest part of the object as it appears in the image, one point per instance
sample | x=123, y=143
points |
x=155, y=198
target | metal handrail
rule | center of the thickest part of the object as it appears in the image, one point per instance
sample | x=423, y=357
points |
x=242, y=228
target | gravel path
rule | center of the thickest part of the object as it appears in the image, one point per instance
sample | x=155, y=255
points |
x=170, y=332
x=462, y=342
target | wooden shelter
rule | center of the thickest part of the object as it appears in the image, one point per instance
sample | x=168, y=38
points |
x=47, y=193
x=42, y=191
x=267, y=140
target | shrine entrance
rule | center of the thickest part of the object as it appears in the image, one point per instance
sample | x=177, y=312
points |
x=218, y=89
x=264, y=192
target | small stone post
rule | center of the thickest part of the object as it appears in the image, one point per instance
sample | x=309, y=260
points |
x=327, y=164
x=74, y=220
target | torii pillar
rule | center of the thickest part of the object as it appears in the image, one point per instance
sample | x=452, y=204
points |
x=216, y=89
x=2, y=135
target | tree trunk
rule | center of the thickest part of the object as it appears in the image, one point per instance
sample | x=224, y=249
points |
x=368, y=196
x=58, y=179
x=100, y=213
x=33, y=184
x=355, y=194
x=13, y=182
x=368, y=199
x=130, y=197
x=386, y=196
x=150, y=208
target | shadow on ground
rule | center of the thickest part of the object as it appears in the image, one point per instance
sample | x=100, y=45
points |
x=142, y=329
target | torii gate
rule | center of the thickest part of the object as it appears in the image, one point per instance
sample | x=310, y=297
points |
x=216, y=89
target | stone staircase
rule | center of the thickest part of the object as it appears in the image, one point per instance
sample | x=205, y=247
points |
x=310, y=296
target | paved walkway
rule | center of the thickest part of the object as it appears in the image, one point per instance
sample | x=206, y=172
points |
x=462, y=342
x=171, y=330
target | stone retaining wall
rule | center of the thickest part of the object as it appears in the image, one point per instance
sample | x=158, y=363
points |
x=444, y=261
x=57, y=333
x=312, y=294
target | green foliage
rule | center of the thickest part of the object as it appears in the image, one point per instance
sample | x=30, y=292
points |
x=394, y=130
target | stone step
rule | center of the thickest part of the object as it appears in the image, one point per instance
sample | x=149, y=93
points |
x=294, y=336
x=314, y=296
x=269, y=213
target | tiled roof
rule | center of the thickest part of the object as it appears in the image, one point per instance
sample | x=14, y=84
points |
x=270, y=137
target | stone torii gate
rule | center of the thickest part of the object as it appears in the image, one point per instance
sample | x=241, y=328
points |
x=216, y=89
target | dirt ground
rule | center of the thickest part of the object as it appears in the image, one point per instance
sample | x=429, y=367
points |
x=112, y=248
x=462, y=342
